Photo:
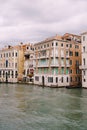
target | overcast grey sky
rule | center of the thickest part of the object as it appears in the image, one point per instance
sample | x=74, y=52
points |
x=34, y=20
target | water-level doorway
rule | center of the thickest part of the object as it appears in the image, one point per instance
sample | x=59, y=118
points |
x=6, y=78
x=43, y=80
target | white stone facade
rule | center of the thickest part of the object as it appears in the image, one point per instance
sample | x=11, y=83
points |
x=8, y=65
x=52, y=63
x=52, y=81
x=84, y=60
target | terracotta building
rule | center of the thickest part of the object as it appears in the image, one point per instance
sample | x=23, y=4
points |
x=75, y=58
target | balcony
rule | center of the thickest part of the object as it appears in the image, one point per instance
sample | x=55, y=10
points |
x=54, y=65
x=52, y=55
x=27, y=53
x=62, y=65
x=62, y=55
x=44, y=65
x=67, y=65
x=83, y=67
x=77, y=65
x=67, y=56
x=42, y=57
x=56, y=55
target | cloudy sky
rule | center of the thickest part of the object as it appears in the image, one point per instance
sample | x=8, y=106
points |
x=34, y=20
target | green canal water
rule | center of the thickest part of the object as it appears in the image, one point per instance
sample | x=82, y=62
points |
x=28, y=107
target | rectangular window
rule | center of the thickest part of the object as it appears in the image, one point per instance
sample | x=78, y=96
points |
x=76, y=53
x=62, y=70
x=83, y=61
x=62, y=79
x=56, y=43
x=61, y=44
x=52, y=44
x=84, y=80
x=84, y=72
x=45, y=70
x=16, y=74
x=77, y=71
x=70, y=62
x=6, y=63
x=83, y=48
x=56, y=79
x=15, y=65
x=54, y=70
x=3, y=73
x=77, y=63
x=44, y=46
x=16, y=54
x=67, y=70
x=13, y=54
x=9, y=73
x=71, y=71
x=12, y=74
x=83, y=38
x=67, y=53
x=0, y=73
x=1, y=55
x=71, y=53
x=47, y=45
x=36, y=78
x=67, y=79
x=70, y=45
x=66, y=45
x=76, y=46
x=4, y=54
x=70, y=79
x=76, y=79
x=9, y=54
x=50, y=79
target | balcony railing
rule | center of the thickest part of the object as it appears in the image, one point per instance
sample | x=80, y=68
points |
x=83, y=67
x=54, y=65
x=62, y=64
x=42, y=65
x=67, y=65
x=62, y=55
x=67, y=56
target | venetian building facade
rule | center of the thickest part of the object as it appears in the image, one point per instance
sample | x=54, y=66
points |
x=57, y=61
x=11, y=63
x=83, y=67
x=75, y=58
x=29, y=63
x=51, y=58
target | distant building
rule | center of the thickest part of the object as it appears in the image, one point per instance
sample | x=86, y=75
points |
x=83, y=67
x=12, y=63
x=29, y=63
x=57, y=61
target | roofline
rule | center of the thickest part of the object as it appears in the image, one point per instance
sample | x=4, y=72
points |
x=49, y=41
x=83, y=33
x=72, y=34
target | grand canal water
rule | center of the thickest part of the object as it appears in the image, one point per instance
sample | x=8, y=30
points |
x=28, y=107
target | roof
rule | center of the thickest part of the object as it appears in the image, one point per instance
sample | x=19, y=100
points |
x=9, y=47
x=70, y=34
x=83, y=33
x=56, y=37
